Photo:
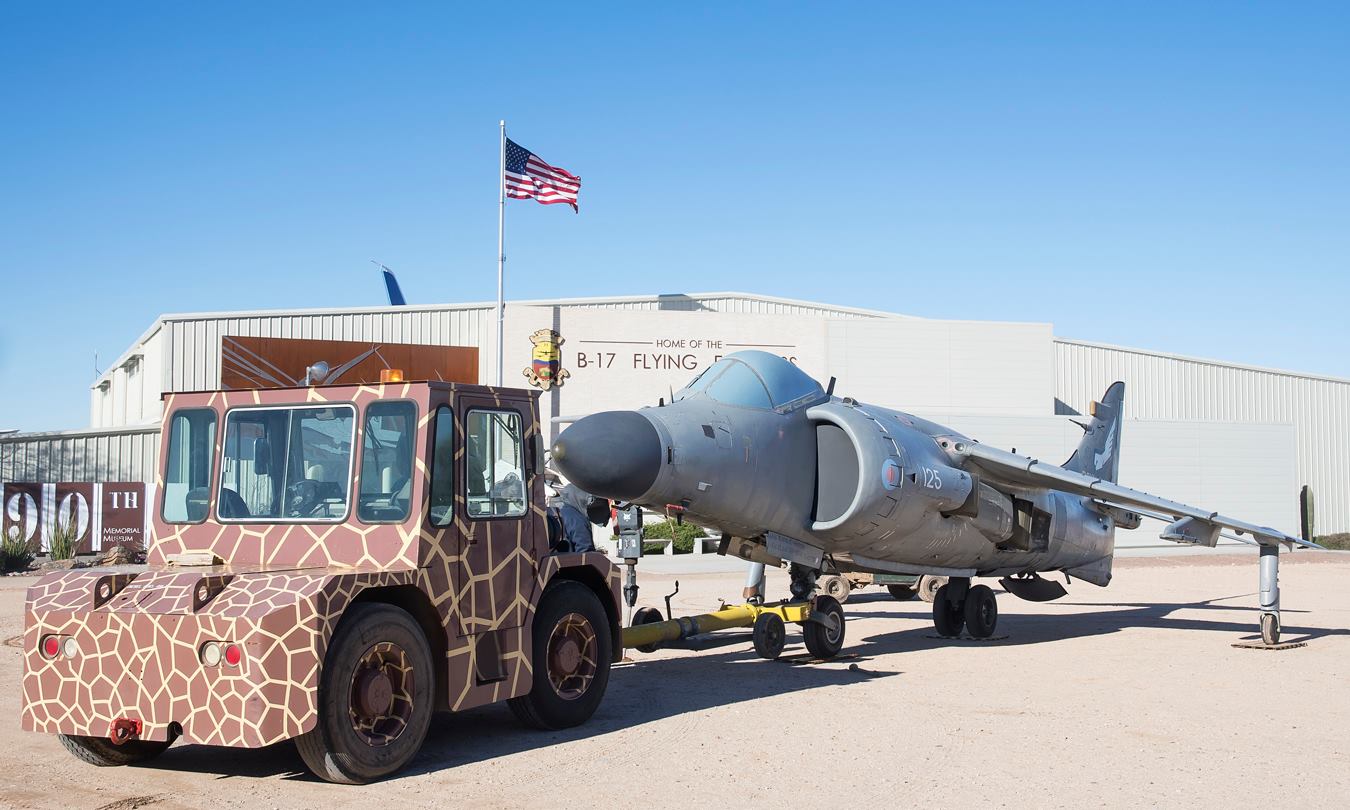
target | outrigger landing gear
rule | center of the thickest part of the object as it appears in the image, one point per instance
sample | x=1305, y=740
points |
x=958, y=604
x=1270, y=594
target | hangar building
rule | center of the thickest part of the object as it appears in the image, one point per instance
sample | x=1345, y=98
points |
x=1237, y=439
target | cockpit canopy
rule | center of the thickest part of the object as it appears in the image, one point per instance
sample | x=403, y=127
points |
x=754, y=379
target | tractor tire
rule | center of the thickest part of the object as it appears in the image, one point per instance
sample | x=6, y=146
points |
x=901, y=593
x=102, y=752
x=928, y=587
x=375, y=697
x=571, y=659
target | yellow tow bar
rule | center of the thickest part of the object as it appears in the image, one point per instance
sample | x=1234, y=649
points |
x=646, y=636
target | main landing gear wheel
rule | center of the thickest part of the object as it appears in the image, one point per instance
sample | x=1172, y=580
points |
x=824, y=639
x=948, y=616
x=1270, y=628
x=647, y=615
x=102, y=752
x=375, y=694
x=837, y=587
x=902, y=593
x=981, y=611
x=572, y=649
x=770, y=635
x=928, y=587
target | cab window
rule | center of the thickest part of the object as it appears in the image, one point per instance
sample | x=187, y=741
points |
x=494, y=466
x=442, y=507
x=287, y=464
x=739, y=385
x=387, y=462
x=187, y=469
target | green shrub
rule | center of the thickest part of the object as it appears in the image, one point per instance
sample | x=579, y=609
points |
x=63, y=539
x=1338, y=541
x=684, y=536
x=14, y=555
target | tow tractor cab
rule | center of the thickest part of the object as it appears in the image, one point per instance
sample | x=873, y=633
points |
x=330, y=564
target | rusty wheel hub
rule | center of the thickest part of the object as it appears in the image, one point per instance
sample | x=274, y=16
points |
x=573, y=650
x=381, y=694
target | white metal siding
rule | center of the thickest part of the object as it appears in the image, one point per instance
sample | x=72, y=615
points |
x=129, y=454
x=1173, y=388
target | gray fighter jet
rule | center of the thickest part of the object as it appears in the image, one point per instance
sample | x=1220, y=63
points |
x=756, y=449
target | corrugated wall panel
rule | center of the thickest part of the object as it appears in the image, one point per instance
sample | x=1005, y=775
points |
x=117, y=455
x=1163, y=387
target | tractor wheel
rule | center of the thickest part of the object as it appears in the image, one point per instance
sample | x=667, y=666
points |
x=823, y=641
x=837, y=587
x=948, y=616
x=375, y=697
x=981, y=611
x=770, y=635
x=572, y=647
x=102, y=752
x=928, y=587
x=902, y=593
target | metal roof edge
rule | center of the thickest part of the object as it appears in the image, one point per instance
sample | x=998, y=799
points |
x=1205, y=361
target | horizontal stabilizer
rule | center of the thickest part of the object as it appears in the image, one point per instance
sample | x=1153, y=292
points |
x=1033, y=589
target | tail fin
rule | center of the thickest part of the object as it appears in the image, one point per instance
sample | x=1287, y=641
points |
x=1098, y=454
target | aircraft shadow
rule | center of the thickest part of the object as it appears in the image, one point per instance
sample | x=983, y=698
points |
x=1030, y=628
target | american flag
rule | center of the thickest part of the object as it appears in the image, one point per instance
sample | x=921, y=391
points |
x=528, y=176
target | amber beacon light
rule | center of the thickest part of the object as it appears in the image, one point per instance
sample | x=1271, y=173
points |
x=391, y=375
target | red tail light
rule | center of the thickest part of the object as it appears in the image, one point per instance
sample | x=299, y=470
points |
x=50, y=646
x=233, y=655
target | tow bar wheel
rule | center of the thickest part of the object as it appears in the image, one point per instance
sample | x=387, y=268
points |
x=572, y=653
x=769, y=636
x=375, y=695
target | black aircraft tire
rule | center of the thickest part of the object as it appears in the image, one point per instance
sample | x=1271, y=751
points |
x=948, y=616
x=103, y=753
x=902, y=593
x=378, y=654
x=571, y=659
x=770, y=635
x=981, y=611
x=821, y=641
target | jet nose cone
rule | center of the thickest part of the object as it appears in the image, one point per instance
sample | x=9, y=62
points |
x=614, y=454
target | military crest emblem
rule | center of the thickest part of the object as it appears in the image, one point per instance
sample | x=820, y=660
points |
x=545, y=370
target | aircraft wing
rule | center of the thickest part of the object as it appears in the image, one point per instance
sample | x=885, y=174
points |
x=1190, y=524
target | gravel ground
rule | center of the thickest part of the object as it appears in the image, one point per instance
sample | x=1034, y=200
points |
x=1111, y=697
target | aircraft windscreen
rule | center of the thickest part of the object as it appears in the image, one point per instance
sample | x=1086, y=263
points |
x=738, y=385
x=755, y=379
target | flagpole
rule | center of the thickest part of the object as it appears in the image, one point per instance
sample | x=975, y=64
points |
x=501, y=254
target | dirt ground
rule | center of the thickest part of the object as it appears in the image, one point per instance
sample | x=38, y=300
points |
x=1124, y=696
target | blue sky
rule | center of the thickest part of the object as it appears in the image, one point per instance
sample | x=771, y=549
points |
x=1166, y=176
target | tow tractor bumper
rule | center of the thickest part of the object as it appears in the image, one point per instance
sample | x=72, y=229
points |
x=173, y=653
